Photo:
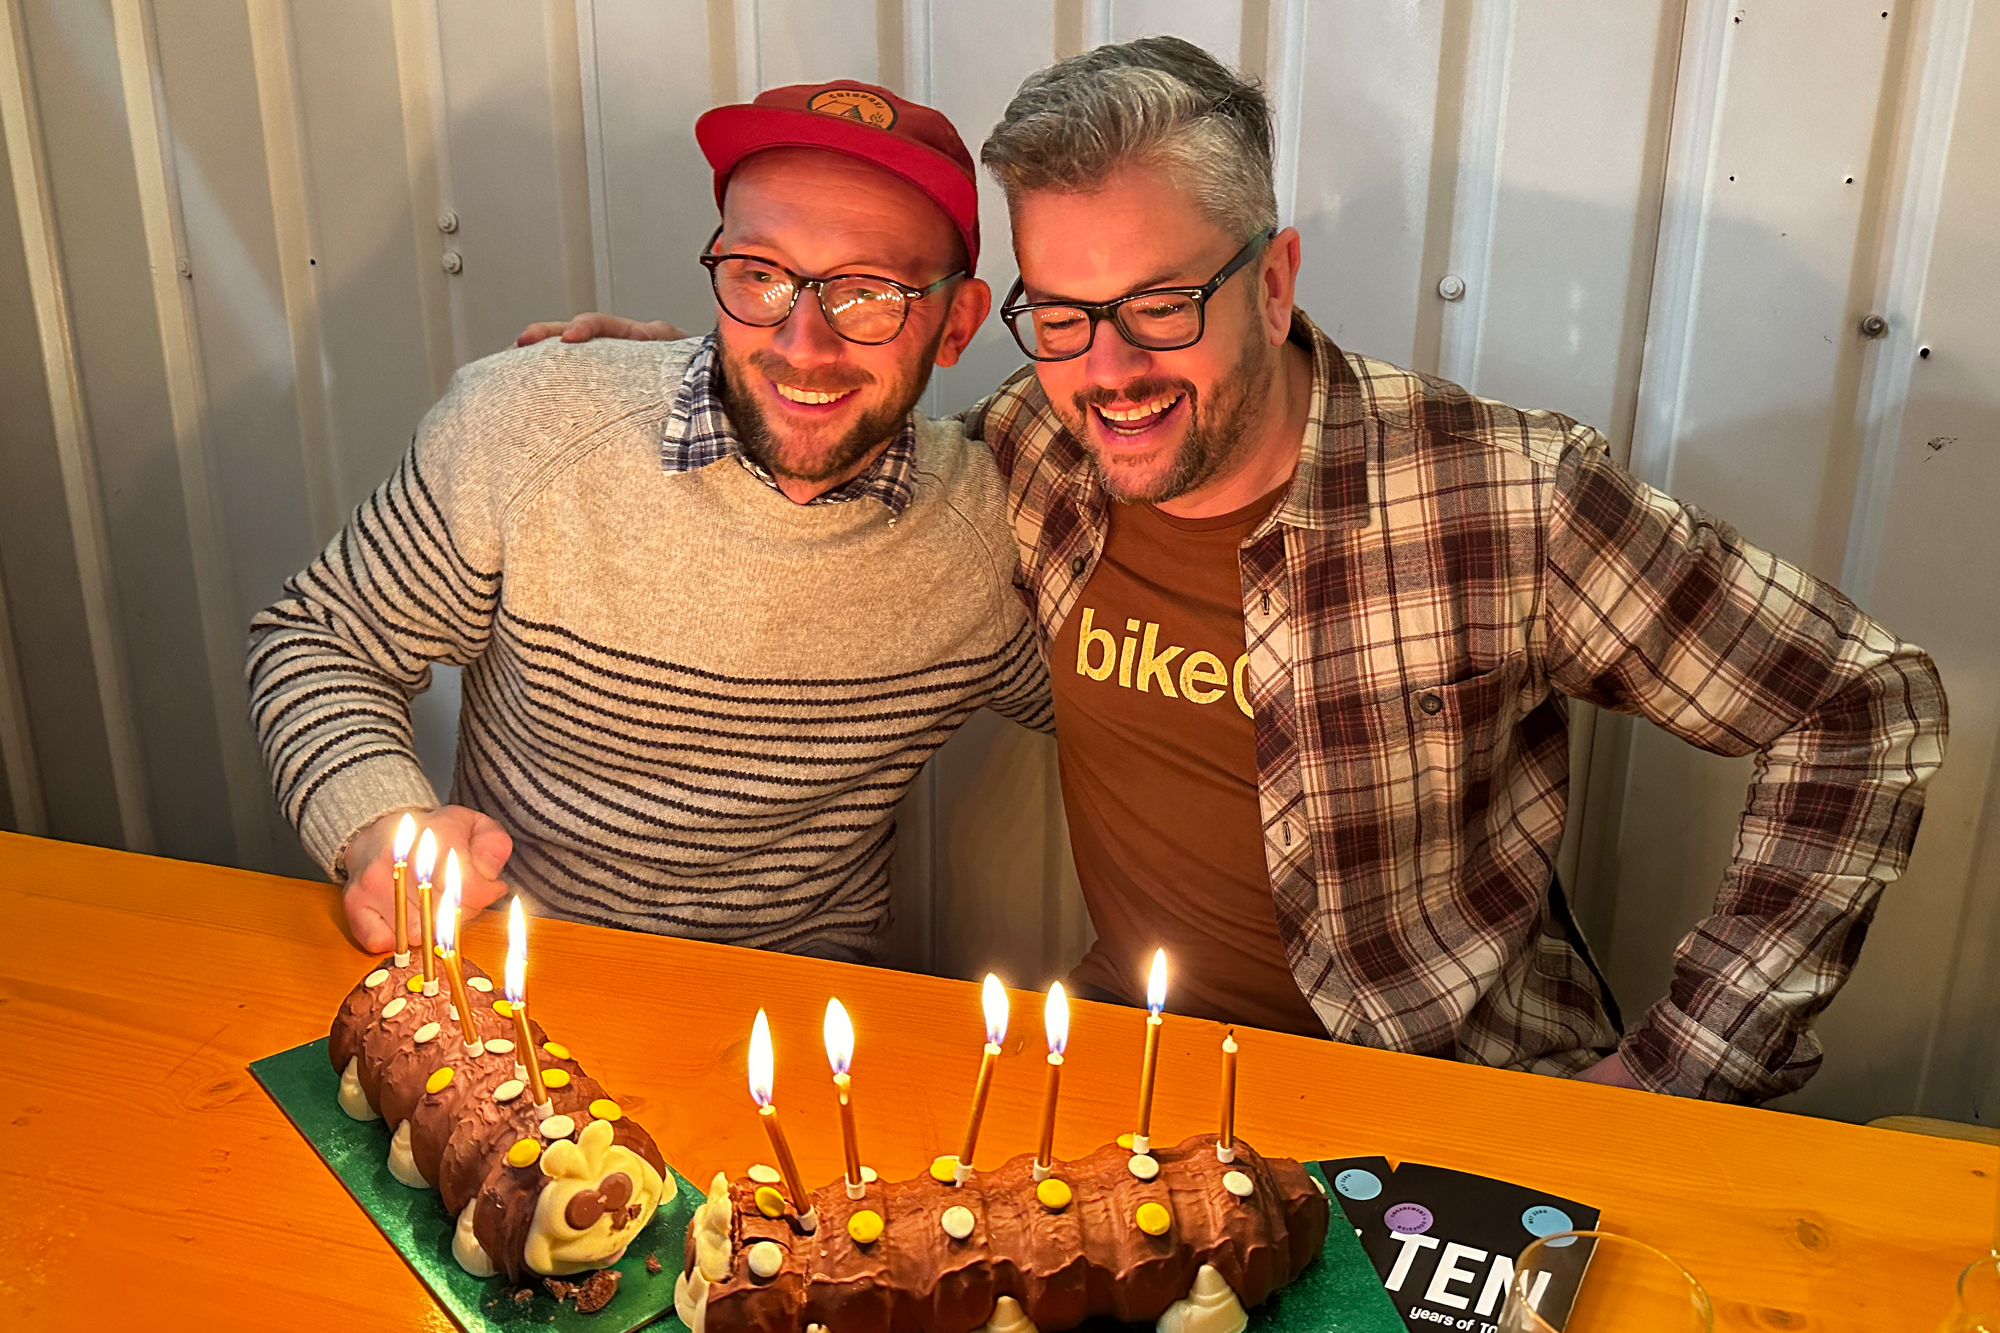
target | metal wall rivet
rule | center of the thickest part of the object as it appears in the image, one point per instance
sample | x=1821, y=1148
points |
x=1451, y=287
x=447, y=221
x=1874, y=326
x=453, y=261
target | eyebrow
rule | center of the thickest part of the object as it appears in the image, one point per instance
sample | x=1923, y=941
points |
x=881, y=265
x=1159, y=278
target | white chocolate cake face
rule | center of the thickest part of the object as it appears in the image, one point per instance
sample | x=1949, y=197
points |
x=598, y=1198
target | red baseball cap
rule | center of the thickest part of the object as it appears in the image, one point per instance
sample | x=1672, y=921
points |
x=861, y=120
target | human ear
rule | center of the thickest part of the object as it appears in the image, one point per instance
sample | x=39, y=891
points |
x=970, y=300
x=1278, y=277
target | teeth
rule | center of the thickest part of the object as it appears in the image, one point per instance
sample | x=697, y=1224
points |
x=809, y=395
x=1140, y=413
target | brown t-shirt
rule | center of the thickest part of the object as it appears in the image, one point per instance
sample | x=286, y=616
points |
x=1159, y=772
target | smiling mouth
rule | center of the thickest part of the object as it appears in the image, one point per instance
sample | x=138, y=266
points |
x=1136, y=418
x=810, y=397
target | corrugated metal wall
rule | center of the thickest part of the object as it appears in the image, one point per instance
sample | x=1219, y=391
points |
x=246, y=241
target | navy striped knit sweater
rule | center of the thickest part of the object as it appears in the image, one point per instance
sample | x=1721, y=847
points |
x=693, y=703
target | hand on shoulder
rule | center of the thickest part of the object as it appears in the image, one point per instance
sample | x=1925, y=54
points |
x=582, y=328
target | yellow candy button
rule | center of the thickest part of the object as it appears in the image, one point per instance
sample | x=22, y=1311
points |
x=555, y=1078
x=524, y=1152
x=605, y=1109
x=557, y=1049
x=1125, y=1141
x=440, y=1079
x=1054, y=1194
x=1153, y=1219
x=865, y=1227
x=504, y=1008
x=944, y=1169
x=769, y=1202
x=415, y=984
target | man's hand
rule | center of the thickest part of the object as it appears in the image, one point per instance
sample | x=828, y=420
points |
x=370, y=896
x=582, y=328
x=1611, y=1070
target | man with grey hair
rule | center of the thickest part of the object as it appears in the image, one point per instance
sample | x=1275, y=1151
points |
x=1312, y=621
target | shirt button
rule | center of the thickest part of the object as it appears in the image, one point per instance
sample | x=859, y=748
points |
x=1431, y=704
x=1078, y=565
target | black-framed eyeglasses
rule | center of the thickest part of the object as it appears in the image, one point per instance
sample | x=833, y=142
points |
x=1164, y=319
x=864, y=308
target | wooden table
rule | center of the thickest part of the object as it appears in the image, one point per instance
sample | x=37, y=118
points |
x=144, y=1170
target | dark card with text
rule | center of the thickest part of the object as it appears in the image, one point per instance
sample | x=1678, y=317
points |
x=1445, y=1241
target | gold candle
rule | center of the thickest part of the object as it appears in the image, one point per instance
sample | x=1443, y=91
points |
x=528, y=1064
x=993, y=1000
x=1156, y=1000
x=406, y=833
x=763, y=1062
x=839, y=1034
x=427, y=861
x=1055, y=1020
x=447, y=947
x=1225, y=1146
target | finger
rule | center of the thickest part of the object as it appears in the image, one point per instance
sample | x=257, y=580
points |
x=489, y=847
x=534, y=333
x=370, y=927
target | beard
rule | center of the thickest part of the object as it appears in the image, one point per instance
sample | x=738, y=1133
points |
x=805, y=456
x=1219, y=428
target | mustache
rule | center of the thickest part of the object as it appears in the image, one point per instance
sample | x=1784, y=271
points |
x=827, y=379
x=1137, y=391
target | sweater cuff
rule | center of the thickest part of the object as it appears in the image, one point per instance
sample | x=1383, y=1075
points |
x=353, y=798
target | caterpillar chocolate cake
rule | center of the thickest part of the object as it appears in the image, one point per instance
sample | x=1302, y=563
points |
x=549, y=1191
x=1180, y=1237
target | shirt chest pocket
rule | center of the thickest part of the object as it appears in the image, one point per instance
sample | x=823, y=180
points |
x=1459, y=730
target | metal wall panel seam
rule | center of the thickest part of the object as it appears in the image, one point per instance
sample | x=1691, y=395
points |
x=17, y=743
x=419, y=77
x=596, y=181
x=1286, y=55
x=1482, y=140
x=276, y=74
x=919, y=38
x=1947, y=34
x=562, y=45
x=81, y=490
x=1096, y=23
x=187, y=408
x=749, y=50
x=1698, y=90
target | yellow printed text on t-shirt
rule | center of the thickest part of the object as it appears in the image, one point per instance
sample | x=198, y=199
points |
x=1142, y=664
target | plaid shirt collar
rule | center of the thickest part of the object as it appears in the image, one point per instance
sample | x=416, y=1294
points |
x=699, y=433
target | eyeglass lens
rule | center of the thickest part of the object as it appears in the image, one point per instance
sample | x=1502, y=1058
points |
x=1159, y=321
x=861, y=309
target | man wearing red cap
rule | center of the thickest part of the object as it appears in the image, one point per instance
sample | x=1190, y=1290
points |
x=717, y=599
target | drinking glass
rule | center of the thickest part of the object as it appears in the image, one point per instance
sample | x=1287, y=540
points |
x=1629, y=1287
x=1976, y=1308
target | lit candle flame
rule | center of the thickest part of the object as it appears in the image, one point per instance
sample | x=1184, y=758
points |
x=762, y=1060
x=447, y=908
x=427, y=855
x=516, y=982
x=1055, y=1018
x=1156, y=984
x=993, y=999
x=406, y=833
x=839, y=1038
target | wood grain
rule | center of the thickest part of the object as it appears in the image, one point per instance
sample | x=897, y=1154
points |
x=146, y=1172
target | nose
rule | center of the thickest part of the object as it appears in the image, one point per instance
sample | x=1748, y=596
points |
x=1112, y=362
x=806, y=339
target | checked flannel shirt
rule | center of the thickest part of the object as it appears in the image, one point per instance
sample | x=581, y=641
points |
x=1444, y=571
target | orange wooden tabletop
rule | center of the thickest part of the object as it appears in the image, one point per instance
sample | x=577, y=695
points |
x=145, y=1171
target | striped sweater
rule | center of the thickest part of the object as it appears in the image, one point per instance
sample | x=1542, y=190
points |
x=693, y=703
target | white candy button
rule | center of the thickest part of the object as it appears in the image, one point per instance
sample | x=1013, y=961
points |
x=375, y=978
x=1239, y=1184
x=1143, y=1165
x=957, y=1222
x=764, y=1175
x=428, y=1032
x=766, y=1258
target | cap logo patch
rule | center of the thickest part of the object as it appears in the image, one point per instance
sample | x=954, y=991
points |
x=854, y=104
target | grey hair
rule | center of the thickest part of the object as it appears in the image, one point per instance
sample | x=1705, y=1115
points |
x=1160, y=102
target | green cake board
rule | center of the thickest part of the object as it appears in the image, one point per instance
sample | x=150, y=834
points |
x=302, y=1082
x=1338, y=1293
